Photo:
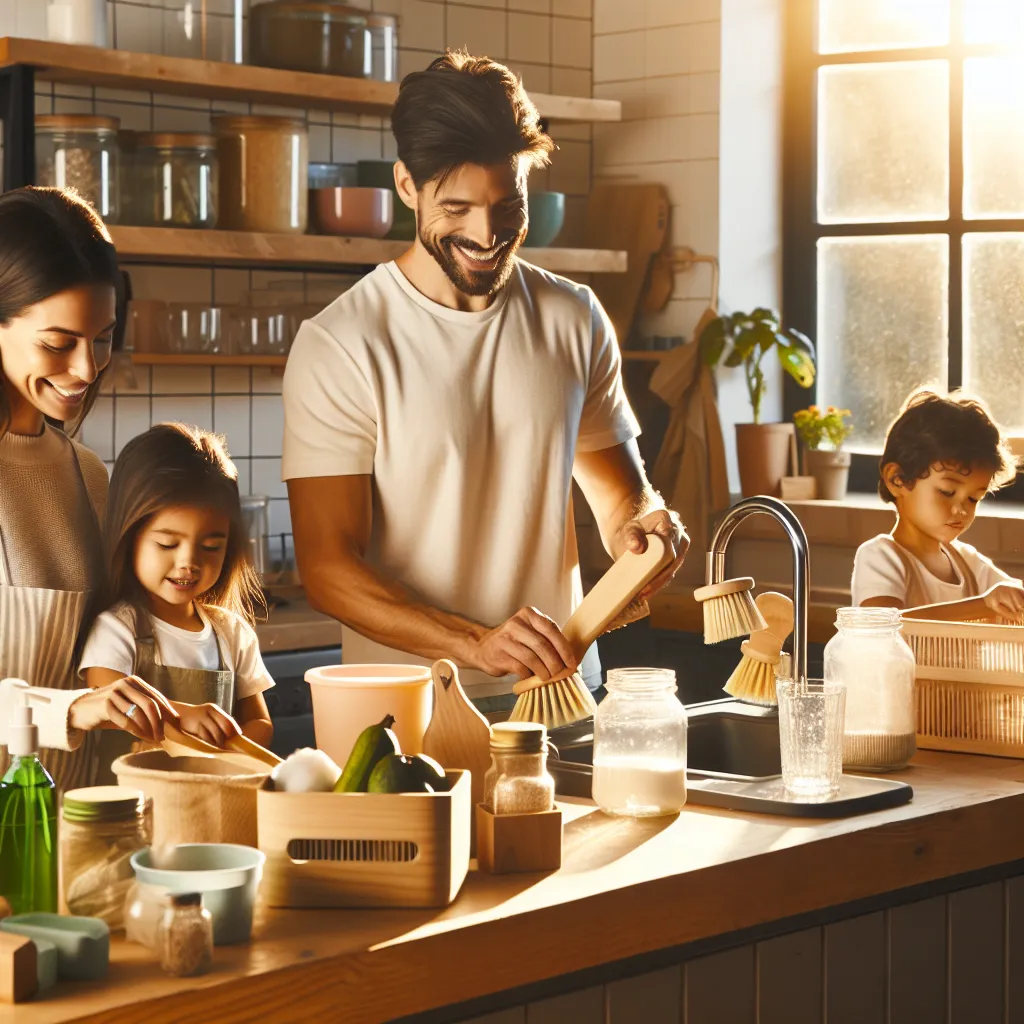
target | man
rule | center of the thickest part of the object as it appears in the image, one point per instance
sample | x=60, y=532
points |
x=437, y=412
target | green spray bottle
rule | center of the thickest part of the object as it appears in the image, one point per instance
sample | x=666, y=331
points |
x=28, y=822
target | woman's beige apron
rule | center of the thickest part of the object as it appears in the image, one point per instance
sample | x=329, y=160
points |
x=917, y=592
x=186, y=685
x=38, y=630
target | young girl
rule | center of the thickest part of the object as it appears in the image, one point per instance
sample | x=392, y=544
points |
x=179, y=591
x=942, y=456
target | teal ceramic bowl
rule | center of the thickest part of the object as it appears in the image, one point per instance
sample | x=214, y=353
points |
x=226, y=875
x=381, y=174
x=547, y=215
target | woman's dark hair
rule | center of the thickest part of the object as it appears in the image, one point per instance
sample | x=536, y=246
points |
x=955, y=431
x=465, y=110
x=50, y=240
x=169, y=466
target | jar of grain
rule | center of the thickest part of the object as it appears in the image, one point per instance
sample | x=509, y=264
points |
x=184, y=937
x=175, y=184
x=518, y=781
x=102, y=827
x=80, y=151
x=264, y=168
x=876, y=665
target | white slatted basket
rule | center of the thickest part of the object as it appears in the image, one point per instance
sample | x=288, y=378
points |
x=969, y=689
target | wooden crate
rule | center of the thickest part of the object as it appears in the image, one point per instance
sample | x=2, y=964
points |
x=365, y=849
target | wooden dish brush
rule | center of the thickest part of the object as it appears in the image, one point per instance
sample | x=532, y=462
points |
x=729, y=610
x=610, y=604
x=753, y=681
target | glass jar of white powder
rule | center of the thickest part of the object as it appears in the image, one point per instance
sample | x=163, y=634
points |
x=640, y=744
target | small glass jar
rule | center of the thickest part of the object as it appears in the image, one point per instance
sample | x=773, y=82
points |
x=175, y=180
x=876, y=665
x=102, y=827
x=518, y=781
x=80, y=151
x=640, y=744
x=184, y=938
x=383, y=47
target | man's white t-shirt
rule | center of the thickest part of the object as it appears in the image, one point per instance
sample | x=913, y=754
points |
x=878, y=571
x=469, y=423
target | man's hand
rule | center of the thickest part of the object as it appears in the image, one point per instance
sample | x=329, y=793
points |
x=528, y=644
x=665, y=523
x=1006, y=600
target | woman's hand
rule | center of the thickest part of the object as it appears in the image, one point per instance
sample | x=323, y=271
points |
x=207, y=722
x=110, y=706
x=1006, y=600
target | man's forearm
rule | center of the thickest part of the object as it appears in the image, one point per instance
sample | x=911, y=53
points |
x=634, y=506
x=385, y=612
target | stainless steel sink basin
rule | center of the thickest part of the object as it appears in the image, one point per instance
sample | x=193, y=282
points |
x=733, y=762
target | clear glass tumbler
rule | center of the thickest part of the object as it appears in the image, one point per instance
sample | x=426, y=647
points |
x=811, y=737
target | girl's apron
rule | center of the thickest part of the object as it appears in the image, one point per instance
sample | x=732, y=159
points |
x=186, y=685
x=38, y=630
x=917, y=592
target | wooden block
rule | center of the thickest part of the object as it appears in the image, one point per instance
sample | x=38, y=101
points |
x=518, y=842
x=18, y=972
x=799, y=488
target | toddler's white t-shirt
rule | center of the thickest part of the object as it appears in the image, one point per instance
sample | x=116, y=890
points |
x=111, y=644
x=878, y=571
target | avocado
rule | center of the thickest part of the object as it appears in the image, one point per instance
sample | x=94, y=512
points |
x=397, y=773
x=373, y=743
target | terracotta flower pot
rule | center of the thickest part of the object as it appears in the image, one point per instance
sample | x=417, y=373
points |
x=766, y=452
x=831, y=470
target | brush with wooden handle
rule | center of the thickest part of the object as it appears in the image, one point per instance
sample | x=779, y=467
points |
x=610, y=604
x=753, y=681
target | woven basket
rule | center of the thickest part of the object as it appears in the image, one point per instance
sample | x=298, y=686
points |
x=969, y=689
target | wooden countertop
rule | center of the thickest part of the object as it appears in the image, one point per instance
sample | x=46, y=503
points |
x=296, y=627
x=714, y=872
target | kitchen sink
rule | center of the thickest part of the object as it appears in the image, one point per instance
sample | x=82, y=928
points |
x=733, y=762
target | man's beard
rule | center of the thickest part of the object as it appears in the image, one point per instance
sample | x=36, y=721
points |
x=473, y=282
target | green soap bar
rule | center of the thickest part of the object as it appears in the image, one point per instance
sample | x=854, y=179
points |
x=83, y=943
x=46, y=964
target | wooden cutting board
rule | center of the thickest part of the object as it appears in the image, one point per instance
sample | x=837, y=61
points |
x=634, y=218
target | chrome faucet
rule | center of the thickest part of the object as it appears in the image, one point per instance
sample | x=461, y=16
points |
x=801, y=564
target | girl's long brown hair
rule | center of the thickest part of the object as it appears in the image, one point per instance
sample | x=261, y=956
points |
x=169, y=466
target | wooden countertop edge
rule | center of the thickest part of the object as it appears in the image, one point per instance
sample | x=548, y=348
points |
x=472, y=960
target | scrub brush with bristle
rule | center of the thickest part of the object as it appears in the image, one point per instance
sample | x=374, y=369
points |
x=610, y=604
x=754, y=679
x=729, y=610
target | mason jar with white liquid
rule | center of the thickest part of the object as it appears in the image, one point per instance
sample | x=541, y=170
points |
x=640, y=744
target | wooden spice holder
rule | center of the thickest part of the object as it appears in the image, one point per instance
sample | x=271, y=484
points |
x=507, y=843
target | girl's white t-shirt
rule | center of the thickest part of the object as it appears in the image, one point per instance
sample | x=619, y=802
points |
x=111, y=644
x=878, y=571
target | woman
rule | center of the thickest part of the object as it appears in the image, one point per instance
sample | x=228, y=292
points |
x=58, y=298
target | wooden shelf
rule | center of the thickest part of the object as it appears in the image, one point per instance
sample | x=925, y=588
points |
x=242, y=248
x=203, y=359
x=641, y=356
x=121, y=69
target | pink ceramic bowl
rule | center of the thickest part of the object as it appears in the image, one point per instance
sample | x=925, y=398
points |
x=359, y=212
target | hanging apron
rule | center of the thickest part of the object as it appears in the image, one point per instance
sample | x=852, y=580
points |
x=38, y=630
x=917, y=593
x=186, y=685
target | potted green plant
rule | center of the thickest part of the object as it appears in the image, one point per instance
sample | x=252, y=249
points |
x=763, y=450
x=823, y=434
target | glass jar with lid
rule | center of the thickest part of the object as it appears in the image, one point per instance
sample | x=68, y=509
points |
x=870, y=657
x=102, y=827
x=80, y=151
x=518, y=781
x=175, y=180
x=640, y=744
x=184, y=936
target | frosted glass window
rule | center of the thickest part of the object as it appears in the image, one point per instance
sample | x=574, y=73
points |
x=883, y=142
x=993, y=348
x=882, y=325
x=994, y=136
x=994, y=21
x=846, y=26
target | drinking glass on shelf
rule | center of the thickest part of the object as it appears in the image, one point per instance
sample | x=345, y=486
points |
x=146, y=327
x=197, y=328
x=263, y=331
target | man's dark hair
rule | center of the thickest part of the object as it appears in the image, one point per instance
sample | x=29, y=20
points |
x=956, y=432
x=465, y=110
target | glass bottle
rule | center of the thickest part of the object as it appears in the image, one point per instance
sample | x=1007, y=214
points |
x=102, y=827
x=640, y=744
x=185, y=935
x=518, y=781
x=28, y=822
x=870, y=657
